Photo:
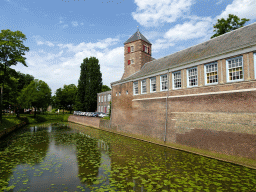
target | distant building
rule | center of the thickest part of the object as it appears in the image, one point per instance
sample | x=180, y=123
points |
x=103, y=101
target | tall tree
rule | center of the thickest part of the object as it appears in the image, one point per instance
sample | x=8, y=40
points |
x=105, y=88
x=11, y=53
x=89, y=84
x=36, y=94
x=226, y=25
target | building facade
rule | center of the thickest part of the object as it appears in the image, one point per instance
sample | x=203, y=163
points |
x=203, y=96
x=103, y=101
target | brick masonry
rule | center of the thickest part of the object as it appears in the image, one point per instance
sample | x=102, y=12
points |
x=223, y=123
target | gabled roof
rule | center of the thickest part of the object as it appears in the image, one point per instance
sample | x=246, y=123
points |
x=235, y=40
x=136, y=36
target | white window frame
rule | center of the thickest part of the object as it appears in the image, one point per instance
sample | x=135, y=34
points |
x=132, y=61
x=188, y=71
x=205, y=73
x=102, y=98
x=99, y=109
x=254, y=65
x=105, y=98
x=227, y=69
x=144, y=80
x=109, y=97
x=173, y=83
x=116, y=93
x=126, y=92
x=132, y=48
x=119, y=93
x=134, y=87
x=161, y=81
x=108, y=108
x=151, y=91
x=99, y=98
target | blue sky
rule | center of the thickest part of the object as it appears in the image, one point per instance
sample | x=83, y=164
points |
x=61, y=33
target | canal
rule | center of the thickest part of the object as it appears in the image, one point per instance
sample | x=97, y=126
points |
x=71, y=157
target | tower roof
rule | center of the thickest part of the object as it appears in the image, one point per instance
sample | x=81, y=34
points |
x=136, y=36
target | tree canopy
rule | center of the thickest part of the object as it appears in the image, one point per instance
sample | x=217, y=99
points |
x=105, y=88
x=65, y=97
x=226, y=25
x=36, y=94
x=89, y=84
x=12, y=51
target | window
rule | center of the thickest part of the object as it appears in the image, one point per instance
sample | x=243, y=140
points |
x=105, y=98
x=126, y=92
x=153, y=84
x=135, y=88
x=129, y=62
x=99, y=98
x=164, y=83
x=235, y=69
x=132, y=48
x=119, y=93
x=143, y=86
x=99, y=109
x=145, y=48
x=102, y=98
x=116, y=93
x=192, y=77
x=132, y=61
x=129, y=50
x=108, y=108
x=211, y=73
x=176, y=80
x=109, y=97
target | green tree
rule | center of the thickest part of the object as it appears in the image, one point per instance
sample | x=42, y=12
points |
x=65, y=98
x=12, y=51
x=105, y=88
x=36, y=94
x=223, y=26
x=89, y=84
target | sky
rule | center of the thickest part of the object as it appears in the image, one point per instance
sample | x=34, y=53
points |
x=61, y=33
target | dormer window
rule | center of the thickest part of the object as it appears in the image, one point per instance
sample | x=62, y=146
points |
x=132, y=48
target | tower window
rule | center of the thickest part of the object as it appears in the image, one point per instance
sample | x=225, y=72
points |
x=132, y=48
x=132, y=61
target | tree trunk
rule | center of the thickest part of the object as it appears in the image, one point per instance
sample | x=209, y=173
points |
x=1, y=105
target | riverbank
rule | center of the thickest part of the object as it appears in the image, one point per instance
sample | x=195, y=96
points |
x=250, y=163
x=11, y=123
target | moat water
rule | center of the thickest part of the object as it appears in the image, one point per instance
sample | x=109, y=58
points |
x=70, y=157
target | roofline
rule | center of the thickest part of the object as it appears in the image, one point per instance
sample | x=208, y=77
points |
x=138, y=40
x=212, y=58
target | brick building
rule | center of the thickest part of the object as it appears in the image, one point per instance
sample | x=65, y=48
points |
x=203, y=96
x=103, y=101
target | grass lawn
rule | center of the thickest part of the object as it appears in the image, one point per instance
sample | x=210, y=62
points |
x=12, y=120
x=9, y=122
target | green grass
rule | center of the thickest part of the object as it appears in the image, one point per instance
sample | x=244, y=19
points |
x=9, y=122
x=107, y=118
x=46, y=117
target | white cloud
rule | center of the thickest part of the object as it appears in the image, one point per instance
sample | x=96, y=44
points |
x=152, y=13
x=188, y=30
x=74, y=23
x=42, y=42
x=82, y=23
x=62, y=64
x=219, y=2
x=65, y=26
x=241, y=8
x=102, y=44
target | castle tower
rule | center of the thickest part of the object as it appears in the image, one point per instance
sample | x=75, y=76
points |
x=137, y=51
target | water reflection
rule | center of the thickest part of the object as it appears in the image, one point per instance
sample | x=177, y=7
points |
x=70, y=157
